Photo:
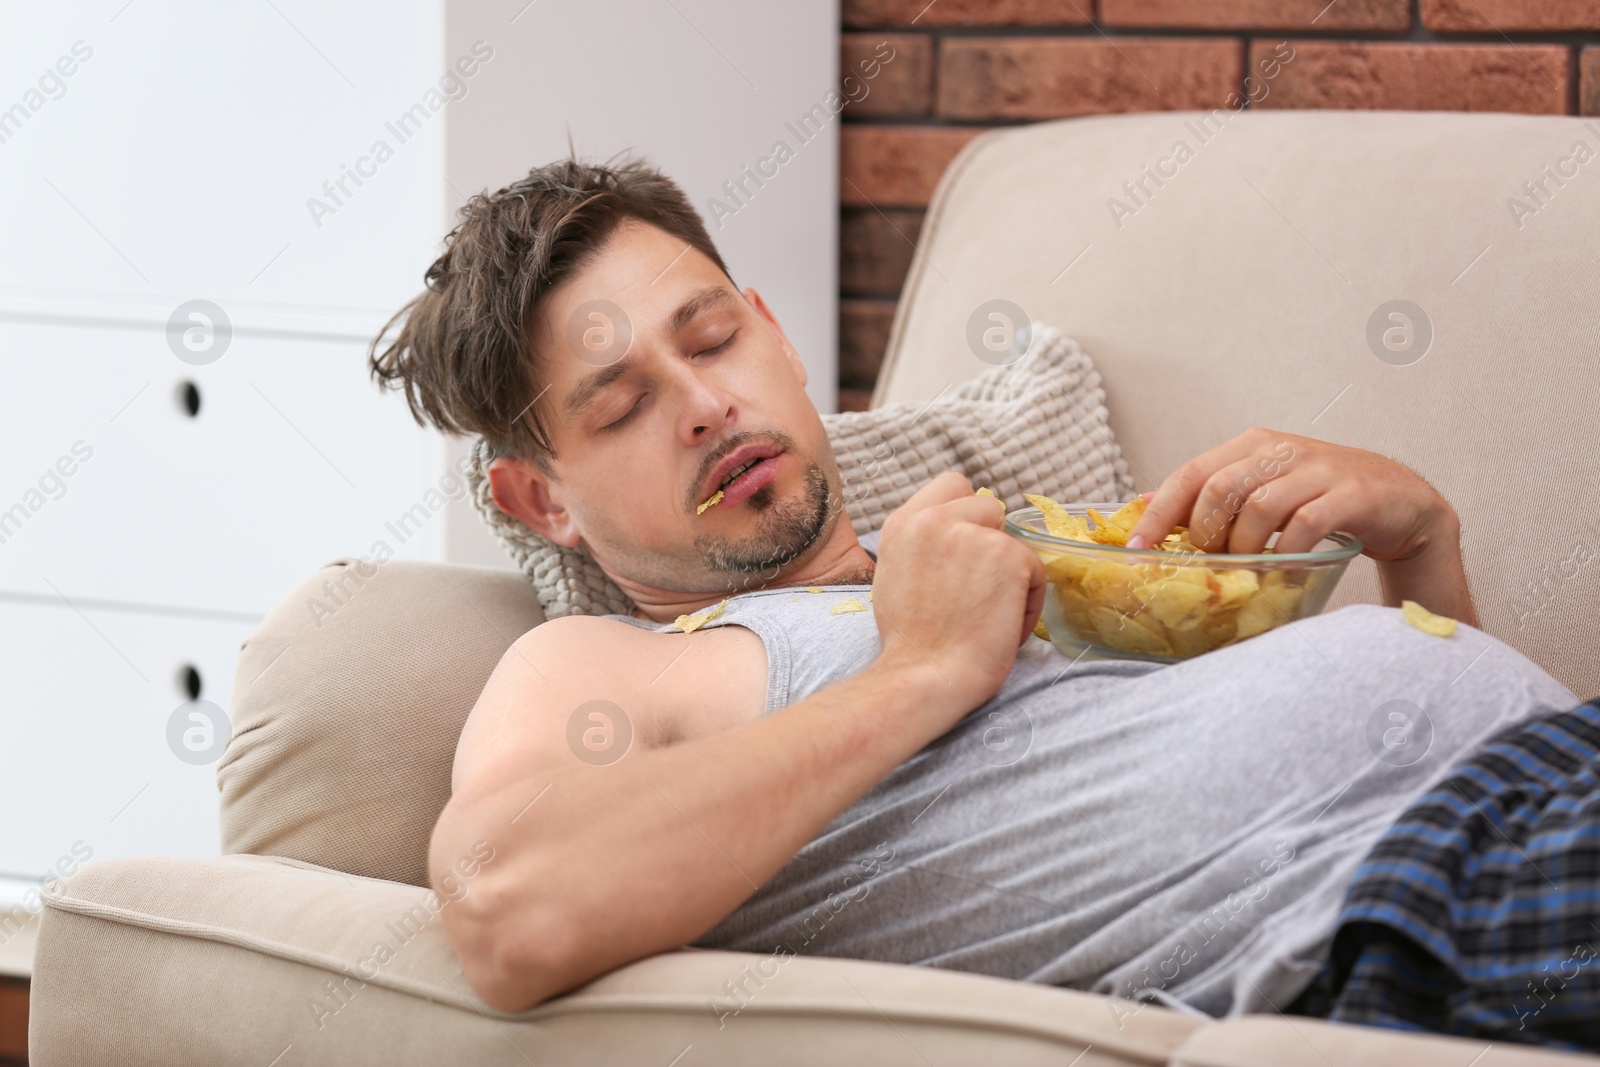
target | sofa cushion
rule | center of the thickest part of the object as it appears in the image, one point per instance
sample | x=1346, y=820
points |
x=1034, y=423
x=347, y=704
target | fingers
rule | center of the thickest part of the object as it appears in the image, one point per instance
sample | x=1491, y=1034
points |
x=1238, y=508
x=1178, y=500
x=1038, y=583
x=1316, y=519
x=1174, y=498
x=983, y=510
x=1271, y=506
x=943, y=488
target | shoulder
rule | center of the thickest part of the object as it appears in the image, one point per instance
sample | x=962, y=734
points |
x=575, y=633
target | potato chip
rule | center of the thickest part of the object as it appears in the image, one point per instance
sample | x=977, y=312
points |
x=1234, y=587
x=1112, y=585
x=1039, y=629
x=1427, y=621
x=846, y=606
x=1058, y=521
x=1171, y=609
x=1189, y=639
x=1127, y=633
x=813, y=588
x=1076, y=608
x=1128, y=515
x=690, y=623
x=711, y=501
x=1257, y=616
x=1173, y=601
x=1066, y=567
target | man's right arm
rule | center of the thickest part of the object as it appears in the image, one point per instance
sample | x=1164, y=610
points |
x=595, y=867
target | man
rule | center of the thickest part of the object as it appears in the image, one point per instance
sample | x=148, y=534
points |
x=800, y=780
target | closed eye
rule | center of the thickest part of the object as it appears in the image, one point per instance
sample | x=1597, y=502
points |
x=722, y=347
x=626, y=418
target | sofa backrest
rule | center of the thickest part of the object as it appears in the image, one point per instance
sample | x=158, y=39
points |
x=1227, y=271
x=348, y=701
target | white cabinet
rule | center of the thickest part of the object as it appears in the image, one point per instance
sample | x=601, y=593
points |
x=152, y=507
x=88, y=696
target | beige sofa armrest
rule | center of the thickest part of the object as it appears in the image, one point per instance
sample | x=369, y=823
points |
x=245, y=959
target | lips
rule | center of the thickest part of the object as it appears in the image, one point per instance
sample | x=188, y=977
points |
x=743, y=472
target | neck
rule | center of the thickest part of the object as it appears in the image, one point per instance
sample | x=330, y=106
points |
x=838, y=560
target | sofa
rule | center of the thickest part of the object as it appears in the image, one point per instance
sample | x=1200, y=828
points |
x=1251, y=283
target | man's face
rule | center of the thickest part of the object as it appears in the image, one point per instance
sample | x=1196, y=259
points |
x=659, y=374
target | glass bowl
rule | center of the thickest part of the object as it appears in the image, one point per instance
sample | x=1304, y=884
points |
x=1166, y=606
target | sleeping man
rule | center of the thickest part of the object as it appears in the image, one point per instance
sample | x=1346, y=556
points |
x=921, y=781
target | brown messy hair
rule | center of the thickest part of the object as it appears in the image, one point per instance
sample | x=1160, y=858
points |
x=463, y=354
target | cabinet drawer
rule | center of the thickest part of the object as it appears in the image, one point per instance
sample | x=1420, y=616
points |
x=86, y=762
x=292, y=458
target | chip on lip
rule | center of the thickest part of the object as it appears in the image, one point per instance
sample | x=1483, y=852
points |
x=714, y=499
x=752, y=454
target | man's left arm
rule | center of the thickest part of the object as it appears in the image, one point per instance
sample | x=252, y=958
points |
x=1234, y=496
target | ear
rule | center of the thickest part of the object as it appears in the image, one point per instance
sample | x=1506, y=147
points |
x=783, y=339
x=524, y=492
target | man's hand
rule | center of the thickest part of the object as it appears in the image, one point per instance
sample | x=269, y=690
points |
x=953, y=591
x=1233, y=497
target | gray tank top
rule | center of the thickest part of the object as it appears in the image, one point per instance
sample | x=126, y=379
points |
x=1176, y=833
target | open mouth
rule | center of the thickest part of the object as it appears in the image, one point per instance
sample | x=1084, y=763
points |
x=743, y=479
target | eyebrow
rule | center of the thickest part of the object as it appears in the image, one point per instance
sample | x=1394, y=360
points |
x=709, y=297
x=589, y=389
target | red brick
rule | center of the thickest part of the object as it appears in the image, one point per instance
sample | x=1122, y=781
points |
x=875, y=249
x=1497, y=16
x=864, y=13
x=1297, y=16
x=894, y=70
x=1589, y=86
x=13, y=1019
x=1530, y=78
x=855, y=399
x=895, y=166
x=863, y=337
x=1044, y=78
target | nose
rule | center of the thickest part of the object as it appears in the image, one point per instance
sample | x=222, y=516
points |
x=704, y=407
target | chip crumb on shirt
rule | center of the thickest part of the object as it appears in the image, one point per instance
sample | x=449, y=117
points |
x=844, y=607
x=869, y=595
x=1425, y=620
x=813, y=588
x=690, y=623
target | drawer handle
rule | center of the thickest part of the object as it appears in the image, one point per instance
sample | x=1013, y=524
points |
x=188, y=397
x=189, y=681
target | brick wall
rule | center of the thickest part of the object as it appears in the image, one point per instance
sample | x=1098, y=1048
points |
x=958, y=67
